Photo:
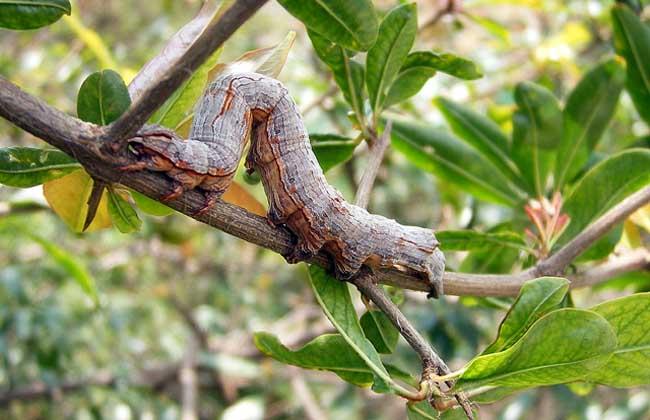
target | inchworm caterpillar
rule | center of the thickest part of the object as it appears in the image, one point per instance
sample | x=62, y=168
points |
x=299, y=196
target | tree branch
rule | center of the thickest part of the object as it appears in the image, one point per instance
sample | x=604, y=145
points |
x=79, y=140
x=206, y=43
x=635, y=260
x=365, y=281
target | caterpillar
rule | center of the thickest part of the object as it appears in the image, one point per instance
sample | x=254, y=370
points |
x=237, y=107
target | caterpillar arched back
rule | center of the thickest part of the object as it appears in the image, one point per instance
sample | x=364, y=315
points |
x=233, y=107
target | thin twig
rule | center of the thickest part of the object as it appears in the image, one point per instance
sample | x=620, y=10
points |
x=93, y=201
x=635, y=260
x=187, y=379
x=432, y=363
x=377, y=151
x=313, y=411
x=448, y=8
x=206, y=43
x=319, y=101
x=367, y=286
x=199, y=333
x=152, y=378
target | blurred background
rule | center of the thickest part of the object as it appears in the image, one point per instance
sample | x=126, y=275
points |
x=179, y=301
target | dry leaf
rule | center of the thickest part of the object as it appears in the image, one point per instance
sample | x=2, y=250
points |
x=68, y=198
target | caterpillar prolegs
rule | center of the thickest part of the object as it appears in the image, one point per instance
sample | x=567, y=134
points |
x=237, y=105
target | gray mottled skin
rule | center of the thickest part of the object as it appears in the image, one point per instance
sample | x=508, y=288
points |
x=298, y=193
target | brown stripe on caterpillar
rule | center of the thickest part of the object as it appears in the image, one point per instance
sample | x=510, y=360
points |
x=236, y=105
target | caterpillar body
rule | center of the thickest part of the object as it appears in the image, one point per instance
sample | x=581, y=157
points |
x=237, y=105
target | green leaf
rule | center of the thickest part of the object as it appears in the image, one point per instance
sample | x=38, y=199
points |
x=451, y=160
x=587, y=113
x=102, y=98
x=331, y=149
x=450, y=64
x=380, y=331
x=470, y=240
x=68, y=262
x=334, y=298
x=350, y=23
x=149, y=205
x=420, y=66
x=563, y=346
x=123, y=215
x=495, y=394
x=181, y=104
x=25, y=167
x=386, y=57
x=536, y=298
x=494, y=260
x=630, y=364
x=495, y=28
x=348, y=74
x=31, y=14
x=632, y=41
x=605, y=185
x=408, y=82
x=482, y=134
x=537, y=132
x=326, y=352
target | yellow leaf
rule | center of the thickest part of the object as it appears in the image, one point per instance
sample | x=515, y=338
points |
x=93, y=42
x=641, y=217
x=68, y=197
x=236, y=194
x=631, y=235
x=183, y=127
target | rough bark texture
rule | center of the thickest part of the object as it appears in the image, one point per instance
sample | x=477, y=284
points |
x=299, y=196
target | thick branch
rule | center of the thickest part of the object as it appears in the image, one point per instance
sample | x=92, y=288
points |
x=79, y=140
x=154, y=96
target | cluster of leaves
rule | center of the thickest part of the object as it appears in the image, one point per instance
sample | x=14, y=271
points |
x=541, y=341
